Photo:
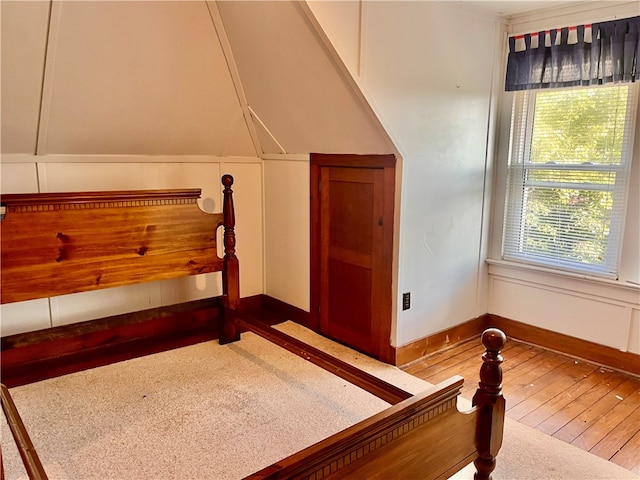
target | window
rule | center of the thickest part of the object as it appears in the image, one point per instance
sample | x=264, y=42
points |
x=569, y=166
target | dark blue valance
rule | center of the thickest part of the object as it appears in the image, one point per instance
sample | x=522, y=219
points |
x=594, y=54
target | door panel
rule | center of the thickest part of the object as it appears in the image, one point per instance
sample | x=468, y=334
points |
x=351, y=238
x=351, y=254
x=349, y=194
x=348, y=317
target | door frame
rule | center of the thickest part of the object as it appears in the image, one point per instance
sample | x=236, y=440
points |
x=386, y=162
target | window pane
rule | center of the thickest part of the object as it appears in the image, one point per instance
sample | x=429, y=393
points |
x=567, y=225
x=579, y=126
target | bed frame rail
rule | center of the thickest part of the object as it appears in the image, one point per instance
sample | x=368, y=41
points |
x=424, y=436
x=30, y=459
x=374, y=385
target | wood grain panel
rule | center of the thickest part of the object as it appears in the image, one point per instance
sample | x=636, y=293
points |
x=351, y=209
x=350, y=308
x=53, y=245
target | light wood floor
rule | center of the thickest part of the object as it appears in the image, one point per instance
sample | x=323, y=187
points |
x=591, y=407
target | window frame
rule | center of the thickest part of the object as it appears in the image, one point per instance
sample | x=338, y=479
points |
x=519, y=164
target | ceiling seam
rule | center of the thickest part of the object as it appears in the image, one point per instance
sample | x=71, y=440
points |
x=39, y=144
x=354, y=84
x=264, y=127
x=218, y=26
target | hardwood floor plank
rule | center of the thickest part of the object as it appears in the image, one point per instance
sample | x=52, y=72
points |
x=463, y=359
x=599, y=430
x=528, y=372
x=565, y=415
x=618, y=436
x=591, y=415
x=562, y=400
x=444, y=360
x=541, y=379
x=470, y=370
x=519, y=353
x=629, y=456
x=460, y=356
x=548, y=387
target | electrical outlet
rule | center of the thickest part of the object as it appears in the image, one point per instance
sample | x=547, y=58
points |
x=406, y=301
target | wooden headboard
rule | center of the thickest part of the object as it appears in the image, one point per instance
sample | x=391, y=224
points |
x=60, y=243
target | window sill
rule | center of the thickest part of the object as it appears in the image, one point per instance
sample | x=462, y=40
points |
x=623, y=291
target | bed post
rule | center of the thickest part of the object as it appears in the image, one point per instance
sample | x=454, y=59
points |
x=490, y=403
x=228, y=331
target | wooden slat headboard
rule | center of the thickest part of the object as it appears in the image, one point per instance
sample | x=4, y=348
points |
x=58, y=243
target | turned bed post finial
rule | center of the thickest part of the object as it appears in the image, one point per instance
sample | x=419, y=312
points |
x=229, y=218
x=491, y=404
x=230, y=275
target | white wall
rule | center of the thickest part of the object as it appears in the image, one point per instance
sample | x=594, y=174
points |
x=601, y=311
x=428, y=67
x=287, y=236
x=295, y=84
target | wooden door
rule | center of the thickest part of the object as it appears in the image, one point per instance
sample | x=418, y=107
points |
x=352, y=250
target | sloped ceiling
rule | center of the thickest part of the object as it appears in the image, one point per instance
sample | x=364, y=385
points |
x=160, y=78
x=119, y=78
x=23, y=39
x=293, y=83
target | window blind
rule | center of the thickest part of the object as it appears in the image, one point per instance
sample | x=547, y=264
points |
x=569, y=167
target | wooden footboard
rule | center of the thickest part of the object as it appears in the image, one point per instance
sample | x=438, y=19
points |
x=424, y=436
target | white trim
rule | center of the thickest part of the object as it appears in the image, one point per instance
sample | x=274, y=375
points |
x=515, y=245
x=361, y=38
x=263, y=220
x=266, y=129
x=587, y=12
x=525, y=268
x=625, y=329
x=134, y=158
x=287, y=157
x=54, y=310
x=218, y=26
x=616, y=303
x=364, y=22
x=18, y=158
x=55, y=14
x=565, y=291
x=41, y=177
x=230, y=159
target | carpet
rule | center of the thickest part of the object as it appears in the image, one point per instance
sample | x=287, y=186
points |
x=222, y=412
